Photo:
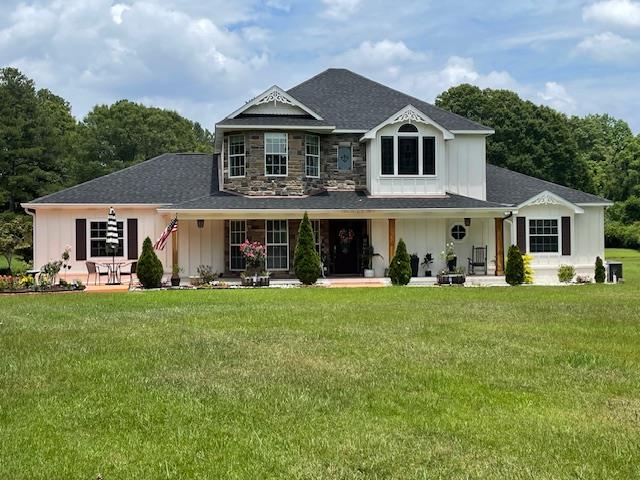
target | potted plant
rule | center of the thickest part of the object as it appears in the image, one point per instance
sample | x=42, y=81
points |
x=449, y=256
x=415, y=264
x=367, y=258
x=426, y=261
x=254, y=254
x=175, y=275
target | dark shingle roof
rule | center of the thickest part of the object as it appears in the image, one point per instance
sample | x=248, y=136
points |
x=274, y=120
x=350, y=101
x=513, y=188
x=166, y=179
x=330, y=200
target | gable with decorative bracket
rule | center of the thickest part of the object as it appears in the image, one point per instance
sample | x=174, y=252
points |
x=275, y=101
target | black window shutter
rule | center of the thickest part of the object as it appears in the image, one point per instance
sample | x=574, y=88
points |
x=81, y=238
x=386, y=155
x=521, y=231
x=428, y=156
x=132, y=238
x=566, y=235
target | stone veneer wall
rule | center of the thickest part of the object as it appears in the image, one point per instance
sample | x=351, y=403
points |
x=256, y=232
x=296, y=183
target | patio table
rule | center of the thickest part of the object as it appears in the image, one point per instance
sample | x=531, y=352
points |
x=114, y=271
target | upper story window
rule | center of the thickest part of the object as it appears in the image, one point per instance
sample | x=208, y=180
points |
x=344, y=158
x=407, y=153
x=276, y=154
x=236, y=156
x=543, y=235
x=312, y=160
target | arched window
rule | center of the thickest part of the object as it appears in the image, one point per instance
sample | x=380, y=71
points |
x=407, y=127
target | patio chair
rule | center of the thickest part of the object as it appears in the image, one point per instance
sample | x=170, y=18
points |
x=478, y=260
x=133, y=268
x=96, y=271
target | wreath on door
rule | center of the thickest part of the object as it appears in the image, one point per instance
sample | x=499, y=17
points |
x=346, y=236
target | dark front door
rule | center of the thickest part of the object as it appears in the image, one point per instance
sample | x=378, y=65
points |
x=346, y=238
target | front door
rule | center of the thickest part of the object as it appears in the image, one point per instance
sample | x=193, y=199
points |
x=347, y=238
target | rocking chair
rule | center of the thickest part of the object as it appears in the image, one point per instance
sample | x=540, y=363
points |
x=478, y=260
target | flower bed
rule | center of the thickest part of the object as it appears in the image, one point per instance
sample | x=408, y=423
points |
x=27, y=284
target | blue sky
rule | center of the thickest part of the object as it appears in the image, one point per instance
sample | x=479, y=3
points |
x=205, y=58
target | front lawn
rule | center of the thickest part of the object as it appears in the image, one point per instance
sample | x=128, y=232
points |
x=526, y=382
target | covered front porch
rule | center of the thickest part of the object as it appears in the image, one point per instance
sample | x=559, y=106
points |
x=342, y=240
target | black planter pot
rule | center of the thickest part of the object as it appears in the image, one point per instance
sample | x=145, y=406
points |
x=451, y=264
x=427, y=273
x=175, y=281
x=415, y=264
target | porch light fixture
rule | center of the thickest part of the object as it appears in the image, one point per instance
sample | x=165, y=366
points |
x=200, y=223
x=467, y=222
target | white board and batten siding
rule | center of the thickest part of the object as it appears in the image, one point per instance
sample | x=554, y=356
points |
x=587, y=238
x=56, y=228
x=460, y=166
x=200, y=246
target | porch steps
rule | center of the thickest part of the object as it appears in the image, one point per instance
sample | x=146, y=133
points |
x=355, y=282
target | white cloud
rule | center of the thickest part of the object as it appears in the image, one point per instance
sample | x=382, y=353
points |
x=427, y=84
x=384, y=55
x=340, y=9
x=279, y=5
x=624, y=13
x=117, y=10
x=555, y=95
x=608, y=46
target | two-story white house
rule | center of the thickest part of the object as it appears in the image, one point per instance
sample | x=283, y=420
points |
x=369, y=164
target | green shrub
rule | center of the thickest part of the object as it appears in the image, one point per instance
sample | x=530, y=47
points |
x=150, y=268
x=527, y=259
x=306, y=261
x=600, y=272
x=566, y=273
x=514, y=271
x=400, y=266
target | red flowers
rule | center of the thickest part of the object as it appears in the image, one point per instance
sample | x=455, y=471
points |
x=254, y=253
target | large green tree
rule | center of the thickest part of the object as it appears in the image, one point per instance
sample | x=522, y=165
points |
x=115, y=136
x=531, y=139
x=35, y=132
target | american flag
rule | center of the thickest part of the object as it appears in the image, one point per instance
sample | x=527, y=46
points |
x=162, y=241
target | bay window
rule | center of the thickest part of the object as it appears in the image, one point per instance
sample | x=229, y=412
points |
x=312, y=157
x=276, y=154
x=236, y=156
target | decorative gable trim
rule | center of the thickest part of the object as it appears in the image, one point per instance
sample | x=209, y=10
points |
x=275, y=95
x=549, y=198
x=408, y=114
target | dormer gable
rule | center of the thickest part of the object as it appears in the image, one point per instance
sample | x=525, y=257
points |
x=274, y=101
x=409, y=114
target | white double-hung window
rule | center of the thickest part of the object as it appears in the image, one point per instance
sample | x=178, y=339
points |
x=236, y=156
x=276, y=154
x=312, y=150
x=277, y=245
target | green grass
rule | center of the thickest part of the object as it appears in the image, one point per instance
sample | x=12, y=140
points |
x=528, y=382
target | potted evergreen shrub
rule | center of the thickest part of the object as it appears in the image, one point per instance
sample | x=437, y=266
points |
x=449, y=256
x=306, y=261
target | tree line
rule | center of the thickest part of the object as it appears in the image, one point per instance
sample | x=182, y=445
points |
x=43, y=148
x=596, y=153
